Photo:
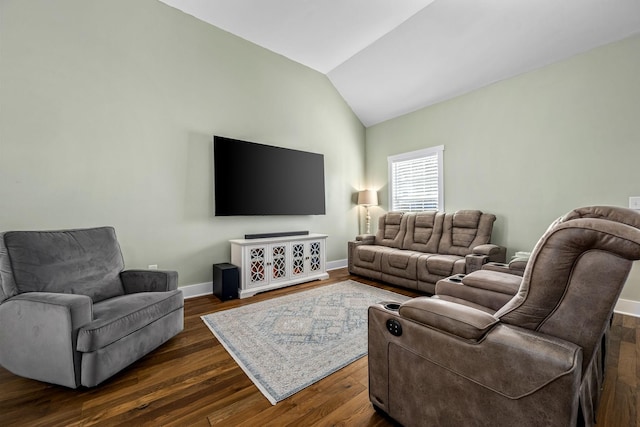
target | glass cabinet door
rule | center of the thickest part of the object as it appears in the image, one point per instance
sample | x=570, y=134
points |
x=257, y=273
x=315, y=257
x=297, y=259
x=278, y=263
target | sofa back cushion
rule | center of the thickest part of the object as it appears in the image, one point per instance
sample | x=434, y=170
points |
x=391, y=229
x=86, y=262
x=464, y=230
x=424, y=230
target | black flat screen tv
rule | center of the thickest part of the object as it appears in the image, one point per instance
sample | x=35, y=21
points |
x=258, y=179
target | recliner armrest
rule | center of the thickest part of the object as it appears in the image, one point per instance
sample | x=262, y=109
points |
x=456, y=319
x=135, y=281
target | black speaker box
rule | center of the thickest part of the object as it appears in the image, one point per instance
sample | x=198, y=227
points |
x=226, y=280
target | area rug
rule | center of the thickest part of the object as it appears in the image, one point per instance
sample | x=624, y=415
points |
x=288, y=343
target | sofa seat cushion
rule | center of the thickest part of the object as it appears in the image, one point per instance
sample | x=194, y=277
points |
x=398, y=259
x=118, y=317
x=369, y=256
x=400, y=263
x=445, y=265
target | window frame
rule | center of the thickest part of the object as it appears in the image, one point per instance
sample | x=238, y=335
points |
x=437, y=151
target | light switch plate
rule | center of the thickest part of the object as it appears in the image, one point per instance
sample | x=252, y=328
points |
x=634, y=203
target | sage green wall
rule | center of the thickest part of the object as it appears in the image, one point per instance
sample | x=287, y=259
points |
x=107, y=113
x=533, y=147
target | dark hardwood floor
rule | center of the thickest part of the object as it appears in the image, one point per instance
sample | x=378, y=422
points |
x=192, y=381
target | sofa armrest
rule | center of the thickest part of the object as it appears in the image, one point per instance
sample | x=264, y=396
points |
x=455, y=319
x=363, y=239
x=39, y=333
x=135, y=281
x=366, y=238
x=516, y=266
x=495, y=253
x=482, y=254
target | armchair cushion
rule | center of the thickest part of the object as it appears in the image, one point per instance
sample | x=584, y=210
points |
x=85, y=262
x=121, y=316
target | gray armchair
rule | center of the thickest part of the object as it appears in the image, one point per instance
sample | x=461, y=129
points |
x=70, y=315
x=537, y=360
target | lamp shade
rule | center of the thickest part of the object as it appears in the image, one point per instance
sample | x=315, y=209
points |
x=367, y=198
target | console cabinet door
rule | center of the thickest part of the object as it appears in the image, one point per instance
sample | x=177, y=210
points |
x=256, y=269
x=298, y=256
x=316, y=256
x=278, y=262
x=307, y=257
x=267, y=264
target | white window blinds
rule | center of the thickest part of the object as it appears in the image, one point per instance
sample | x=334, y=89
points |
x=415, y=180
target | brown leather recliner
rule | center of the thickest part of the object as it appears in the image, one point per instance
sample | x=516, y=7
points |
x=536, y=361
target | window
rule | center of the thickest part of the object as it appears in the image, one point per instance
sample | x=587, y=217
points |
x=415, y=180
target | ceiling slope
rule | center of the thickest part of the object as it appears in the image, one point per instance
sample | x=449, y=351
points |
x=390, y=57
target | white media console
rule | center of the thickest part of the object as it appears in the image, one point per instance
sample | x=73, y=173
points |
x=276, y=262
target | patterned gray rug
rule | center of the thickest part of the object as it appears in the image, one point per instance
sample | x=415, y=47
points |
x=288, y=343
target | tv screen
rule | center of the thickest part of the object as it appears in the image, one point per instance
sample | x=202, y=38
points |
x=257, y=179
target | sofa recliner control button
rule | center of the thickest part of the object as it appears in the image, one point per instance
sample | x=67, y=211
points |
x=394, y=327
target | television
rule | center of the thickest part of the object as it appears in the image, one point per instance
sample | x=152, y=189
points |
x=258, y=179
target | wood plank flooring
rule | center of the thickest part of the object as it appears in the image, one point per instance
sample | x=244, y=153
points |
x=192, y=381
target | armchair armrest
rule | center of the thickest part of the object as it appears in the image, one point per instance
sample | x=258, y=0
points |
x=135, y=281
x=456, y=319
x=39, y=333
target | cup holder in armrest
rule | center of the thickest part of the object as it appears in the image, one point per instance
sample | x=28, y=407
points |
x=456, y=278
x=390, y=305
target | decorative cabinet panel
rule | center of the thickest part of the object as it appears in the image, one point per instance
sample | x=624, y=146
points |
x=272, y=263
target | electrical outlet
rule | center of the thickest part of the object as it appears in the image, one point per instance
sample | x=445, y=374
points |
x=634, y=203
x=153, y=267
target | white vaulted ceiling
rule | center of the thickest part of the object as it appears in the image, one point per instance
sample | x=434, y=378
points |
x=391, y=57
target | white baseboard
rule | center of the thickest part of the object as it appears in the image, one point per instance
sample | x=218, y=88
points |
x=206, y=288
x=624, y=306
x=334, y=265
x=628, y=307
x=197, y=290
